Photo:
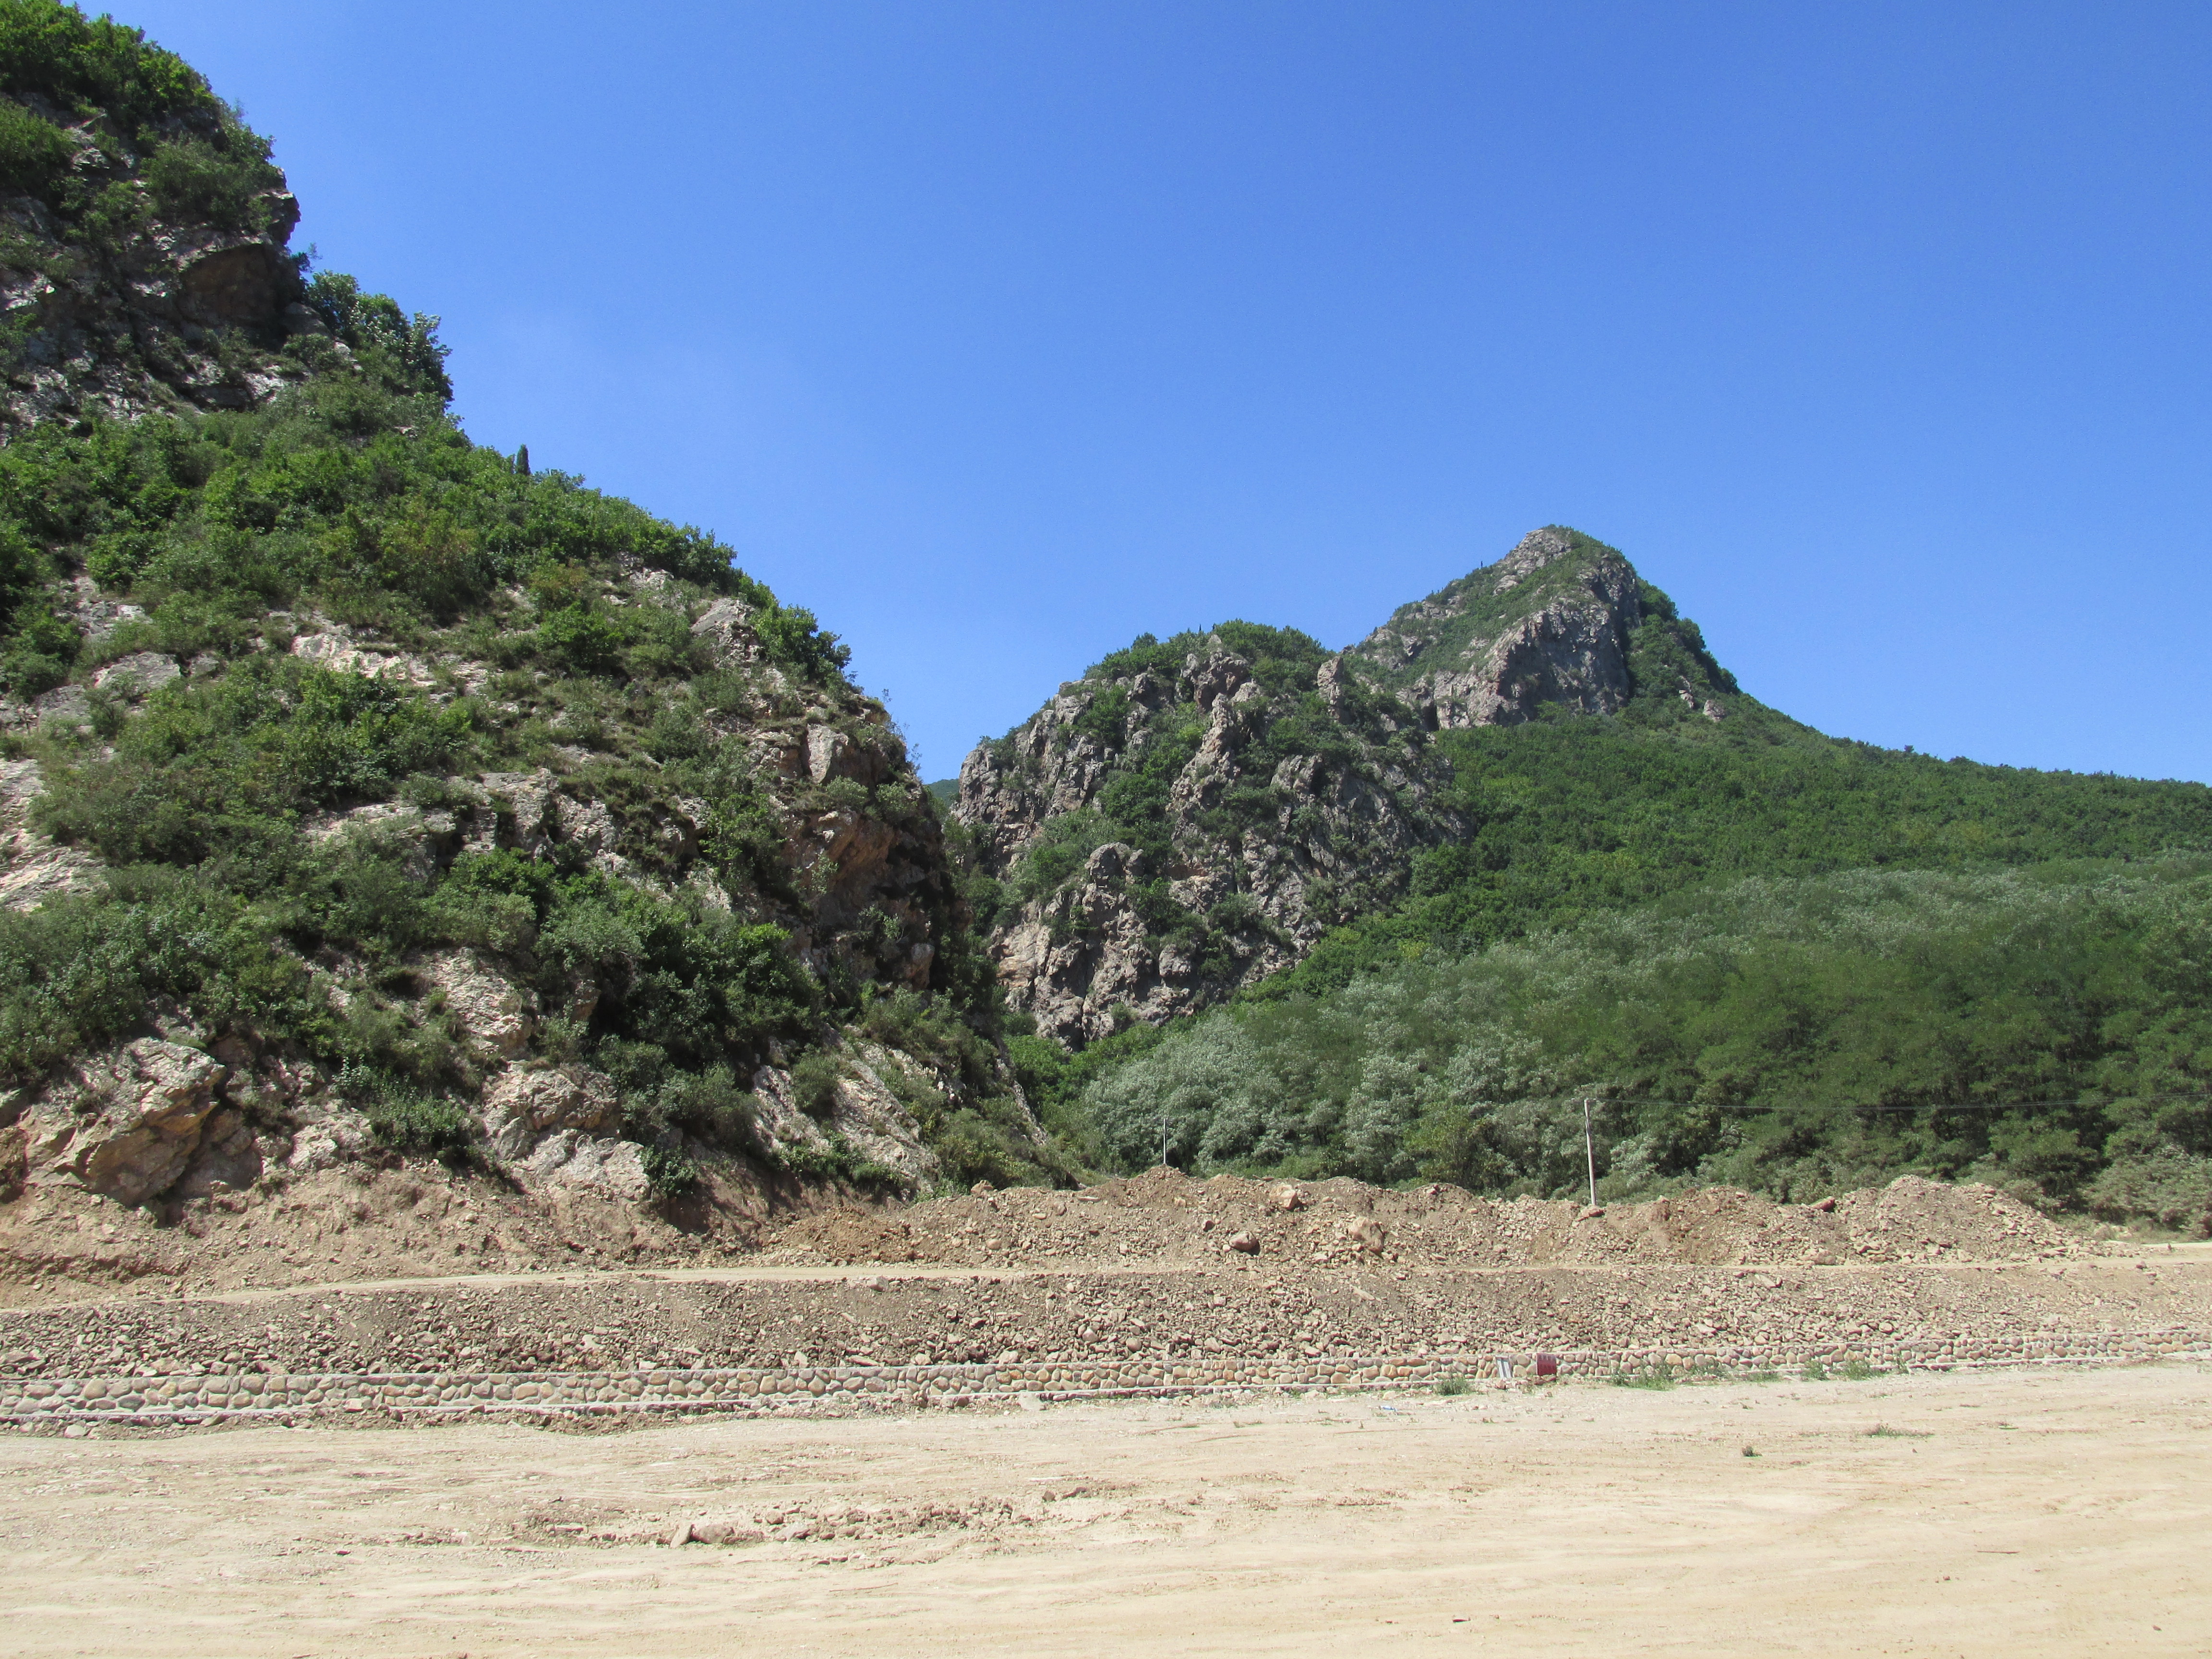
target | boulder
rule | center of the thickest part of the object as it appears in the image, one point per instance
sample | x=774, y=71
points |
x=326, y=1141
x=525, y=800
x=139, y=672
x=496, y=1015
x=125, y=1122
x=519, y=1106
x=824, y=746
x=338, y=650
x=726, y=628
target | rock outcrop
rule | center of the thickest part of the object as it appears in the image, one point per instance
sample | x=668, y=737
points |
x=147, y=267
x=125, y=1123
x=593, y=844
x=1556, y=626
x=1188, y=818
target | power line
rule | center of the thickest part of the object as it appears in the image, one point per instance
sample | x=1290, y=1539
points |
x=1597, y=1097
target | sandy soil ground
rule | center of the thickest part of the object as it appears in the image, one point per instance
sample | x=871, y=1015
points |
x=2020, y=1513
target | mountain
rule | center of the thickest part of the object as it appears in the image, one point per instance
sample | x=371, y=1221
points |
x=1191, y=816
x=1528, y=841
x=368, y=794
x=1197, y=815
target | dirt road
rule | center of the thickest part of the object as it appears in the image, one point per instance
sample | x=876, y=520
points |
x=2020, y=1513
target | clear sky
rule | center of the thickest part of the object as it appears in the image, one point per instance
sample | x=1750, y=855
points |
x=1877, y=334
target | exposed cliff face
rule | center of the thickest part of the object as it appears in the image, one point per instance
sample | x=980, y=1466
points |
x=1188, y=818
x=1560, y=624
x=363, y=795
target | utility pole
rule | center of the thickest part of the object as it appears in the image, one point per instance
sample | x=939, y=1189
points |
x=1589, y=1151
x=1164, y=1136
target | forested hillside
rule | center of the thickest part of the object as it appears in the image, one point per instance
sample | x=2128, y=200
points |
x=2049, y=1027
x=1778, y=996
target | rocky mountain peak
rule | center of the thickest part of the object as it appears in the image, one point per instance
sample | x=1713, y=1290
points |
x=1196, y=813
x=1561, y=623
x=1532, y=553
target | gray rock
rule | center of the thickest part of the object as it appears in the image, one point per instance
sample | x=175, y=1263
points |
x=33, y=869
x=726, y=628
x=496, y=1015
x=336, y=648
x=614, y=1167
x=328, y=1140
x=228, y=1158
x=138, y=673
x=65, y=705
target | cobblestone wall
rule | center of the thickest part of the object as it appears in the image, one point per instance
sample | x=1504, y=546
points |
x=200, y=1397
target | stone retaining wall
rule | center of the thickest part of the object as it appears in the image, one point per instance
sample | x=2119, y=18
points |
x=196, y=1398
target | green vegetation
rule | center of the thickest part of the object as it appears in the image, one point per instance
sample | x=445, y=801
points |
x=387, y=714
x=1738, y=1034
x=1575, y=816
x=354, y=501
x=1736, y=934
x=95, y=66
x=199, y=162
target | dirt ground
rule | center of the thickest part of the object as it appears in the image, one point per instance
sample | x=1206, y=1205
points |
x=2019, y=1513
x=419, y=1220
x=725, y=1316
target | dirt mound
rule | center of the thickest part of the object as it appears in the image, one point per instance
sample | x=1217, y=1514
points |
x=1165, y=1219
x=360, y=1221
x=366, y=1222
x=1915, y=1219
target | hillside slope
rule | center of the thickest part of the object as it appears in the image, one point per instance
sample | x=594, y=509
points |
x=368, y=793
x=1545, y=738
x=1188, y=817
x=1575, y=770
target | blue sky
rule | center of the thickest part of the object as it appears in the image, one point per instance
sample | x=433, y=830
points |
x=998, y=333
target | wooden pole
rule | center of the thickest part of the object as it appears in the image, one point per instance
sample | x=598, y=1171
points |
x=1589, y=1151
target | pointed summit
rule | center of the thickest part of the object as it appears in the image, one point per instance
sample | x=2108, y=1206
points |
x=1562, y=624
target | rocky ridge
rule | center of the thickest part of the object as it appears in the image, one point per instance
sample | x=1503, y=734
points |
x=1562, y=624
x=1191, y=816
x=144, y=242
x=1188, y=819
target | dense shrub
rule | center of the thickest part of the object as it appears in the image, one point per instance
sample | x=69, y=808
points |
x=34, y=155
x=1741, y=1034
